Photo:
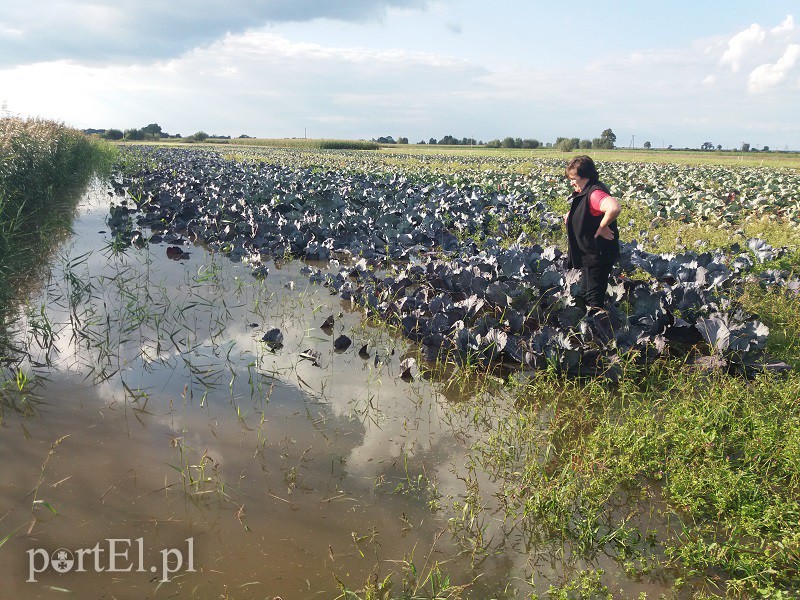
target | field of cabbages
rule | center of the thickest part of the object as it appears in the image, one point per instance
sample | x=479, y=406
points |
x=358, y=374
x=468, y=264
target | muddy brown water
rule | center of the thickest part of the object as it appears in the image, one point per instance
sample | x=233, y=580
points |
x=155, y=426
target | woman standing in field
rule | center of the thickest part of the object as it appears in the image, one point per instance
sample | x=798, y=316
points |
x=591, y=229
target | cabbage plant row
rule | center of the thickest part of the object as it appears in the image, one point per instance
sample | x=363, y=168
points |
x=685, y=192
x=431, y=255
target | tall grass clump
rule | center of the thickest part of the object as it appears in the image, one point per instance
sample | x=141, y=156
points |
x=43, y=167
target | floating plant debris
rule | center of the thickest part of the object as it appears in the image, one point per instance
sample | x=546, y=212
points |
x=176, y=253
x=273, y=338
x=342, y=343
x=327, y=325
x=311, y=355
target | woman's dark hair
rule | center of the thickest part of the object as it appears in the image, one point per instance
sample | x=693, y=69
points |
x=584, y=167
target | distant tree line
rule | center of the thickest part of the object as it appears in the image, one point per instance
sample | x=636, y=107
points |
x=447, y=140
x=565, y=144
x=747, y=148
x=450, y=140
x=605, y=141
x=387, y=139
x=150, y=132
x=709, y=147
x=510, y=142
x=153, y=132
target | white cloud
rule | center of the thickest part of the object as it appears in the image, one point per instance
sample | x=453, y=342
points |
x=767, y=76
x=758, y=58
x=257, y=83
x=105, y=31
x=758, y=47
x=741, y=45
x=786, y=26
x=263, y=45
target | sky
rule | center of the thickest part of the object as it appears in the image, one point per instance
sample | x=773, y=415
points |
x=677, y=73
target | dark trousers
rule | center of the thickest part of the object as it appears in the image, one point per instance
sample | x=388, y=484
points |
x=594, y=282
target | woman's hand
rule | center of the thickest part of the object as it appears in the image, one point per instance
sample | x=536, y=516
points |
x=611, y=208
x=604, y=232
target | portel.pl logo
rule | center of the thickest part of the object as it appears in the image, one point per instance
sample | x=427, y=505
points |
x=114, y=556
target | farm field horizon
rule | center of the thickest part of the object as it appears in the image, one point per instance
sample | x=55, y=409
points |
x=772, y=158
x=343, y=373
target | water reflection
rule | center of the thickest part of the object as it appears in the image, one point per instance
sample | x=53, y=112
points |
x=173, y=420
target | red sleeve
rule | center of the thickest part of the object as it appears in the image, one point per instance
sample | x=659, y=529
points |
x=594, y=202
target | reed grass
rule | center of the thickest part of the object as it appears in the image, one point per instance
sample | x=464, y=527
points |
x=43, y=166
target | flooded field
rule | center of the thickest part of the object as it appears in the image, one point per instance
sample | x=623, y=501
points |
x=155, y=437
x=168, y=418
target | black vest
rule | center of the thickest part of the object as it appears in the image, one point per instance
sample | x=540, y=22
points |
x=585, y=250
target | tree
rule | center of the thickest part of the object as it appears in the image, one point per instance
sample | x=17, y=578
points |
x=647, y=145
x=585, y=144
x=507, y=142
x=707, y=146
x=529, y=143
x=153, y=129
x=605, y=141
x=432, y=141
x=745, y=147
x=567, y=144
x=766, y=149
x=134, y=134
x=199, y=136
x=719, y=146
x=402, y=140
x=113, y=134
x=608, y=138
